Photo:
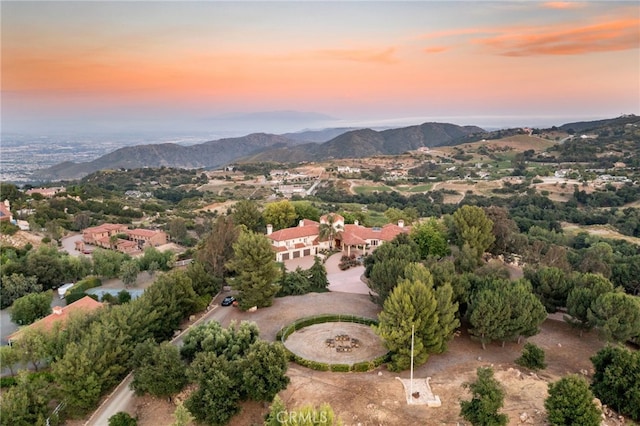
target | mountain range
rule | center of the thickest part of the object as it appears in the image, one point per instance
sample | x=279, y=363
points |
x=290, y=147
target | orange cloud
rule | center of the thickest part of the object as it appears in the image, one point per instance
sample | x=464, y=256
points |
x=562, y=5
x=622, y=34
x=385, y=56
x=435, y=49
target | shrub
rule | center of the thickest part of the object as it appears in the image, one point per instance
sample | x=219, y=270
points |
x=341, y=368
x=7, y=382
x=532, y=357
x=361, y=367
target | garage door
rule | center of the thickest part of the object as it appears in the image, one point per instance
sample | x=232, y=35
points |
x=296, y=254
x=285, y=256
x=307, y=252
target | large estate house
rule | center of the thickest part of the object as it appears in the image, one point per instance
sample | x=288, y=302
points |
x=305, y=239
x=136, y=239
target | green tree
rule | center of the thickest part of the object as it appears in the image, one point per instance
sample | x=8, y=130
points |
x=487, y=397
x=15, y=286
x=504, y=230
x=45, y=264
x=256, y=271
x=217, y=396
x=551, y=285
x=386, y=266
x=488, y=312
x=294, y=282
x=9, y=357
x=502, y=310
x=182, y=416
x=412, y=303
x=158, y=369
x=177, y=228
x=570, y=402
x=318, y=275
x=107, y=263
x=430, y=239
x=306, y=210
x=597, y=259
x=280, y=214
x=32, y=346
x=31, y=307
x=25, y=404
x=616, y=381
x=617, y=315
x=587, y=288
x=163, y=260
x=472, y=226
x=217, y=249
x=264, y=373
x=246, y=212
x=532, y=357
x=231, y=342
x=129, y=272
x=122, y=419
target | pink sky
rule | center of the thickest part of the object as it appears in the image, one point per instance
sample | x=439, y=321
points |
x=119, y=61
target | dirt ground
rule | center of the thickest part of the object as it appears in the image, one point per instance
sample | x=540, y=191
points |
x=310, y=343
x=377, y=398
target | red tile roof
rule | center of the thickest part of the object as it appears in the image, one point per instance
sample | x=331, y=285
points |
x=297, y=232
x=142, y=232
x=86, y=304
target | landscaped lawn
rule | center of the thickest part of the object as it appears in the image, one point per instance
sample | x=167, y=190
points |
x=420, y=188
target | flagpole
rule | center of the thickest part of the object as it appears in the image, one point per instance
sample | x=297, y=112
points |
x=411, y=381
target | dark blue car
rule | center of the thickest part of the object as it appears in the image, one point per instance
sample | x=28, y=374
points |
x=228, y=301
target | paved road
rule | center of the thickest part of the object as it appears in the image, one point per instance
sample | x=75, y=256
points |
x=121, y=399
x=69, y=244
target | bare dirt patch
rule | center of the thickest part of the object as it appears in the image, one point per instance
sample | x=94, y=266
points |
x=21, y=239
x=377, y=398
x=311, y=343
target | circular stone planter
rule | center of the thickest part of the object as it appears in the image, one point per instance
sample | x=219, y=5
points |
x=327, y=343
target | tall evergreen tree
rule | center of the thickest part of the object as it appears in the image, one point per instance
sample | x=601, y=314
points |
x=616, y=381
x=570, y=403
x=488, y=313
x=256, y=270
x=158, y=369
x=617, y=315
x=487, y=397
x=586, y=289
x=472, y=226
x=318, y=275
x=411, y=303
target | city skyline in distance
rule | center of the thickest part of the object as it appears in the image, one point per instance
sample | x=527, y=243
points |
x=239, y=67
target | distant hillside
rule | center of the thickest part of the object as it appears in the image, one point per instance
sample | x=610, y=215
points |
x=318, y=136
x=585, y=126
x=206, y=155
x=366, y=143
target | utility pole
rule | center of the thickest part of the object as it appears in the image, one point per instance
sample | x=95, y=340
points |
x=411, y=380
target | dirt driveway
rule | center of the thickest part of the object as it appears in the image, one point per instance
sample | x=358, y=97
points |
x=377, y=398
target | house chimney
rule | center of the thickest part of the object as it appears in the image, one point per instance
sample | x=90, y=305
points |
x=301, y=223
x=57, y=310
x=356, y=223
x=401, y=223
x=269, y=229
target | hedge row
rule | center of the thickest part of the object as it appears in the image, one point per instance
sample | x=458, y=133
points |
x=358, y=367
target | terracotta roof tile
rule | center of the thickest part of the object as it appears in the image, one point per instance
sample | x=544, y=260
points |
x=296, y=232
x=86, y=304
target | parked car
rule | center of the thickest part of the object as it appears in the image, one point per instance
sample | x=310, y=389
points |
x=228, y=301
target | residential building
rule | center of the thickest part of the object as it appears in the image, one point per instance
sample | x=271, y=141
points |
x=46, y=192
x=136, y=239
x=59, y=316
x=304, y=239
x=5, y=212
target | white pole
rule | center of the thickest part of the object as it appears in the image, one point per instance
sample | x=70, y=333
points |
x=411, y=380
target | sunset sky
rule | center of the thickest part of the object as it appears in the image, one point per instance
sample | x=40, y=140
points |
x=116, y=66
